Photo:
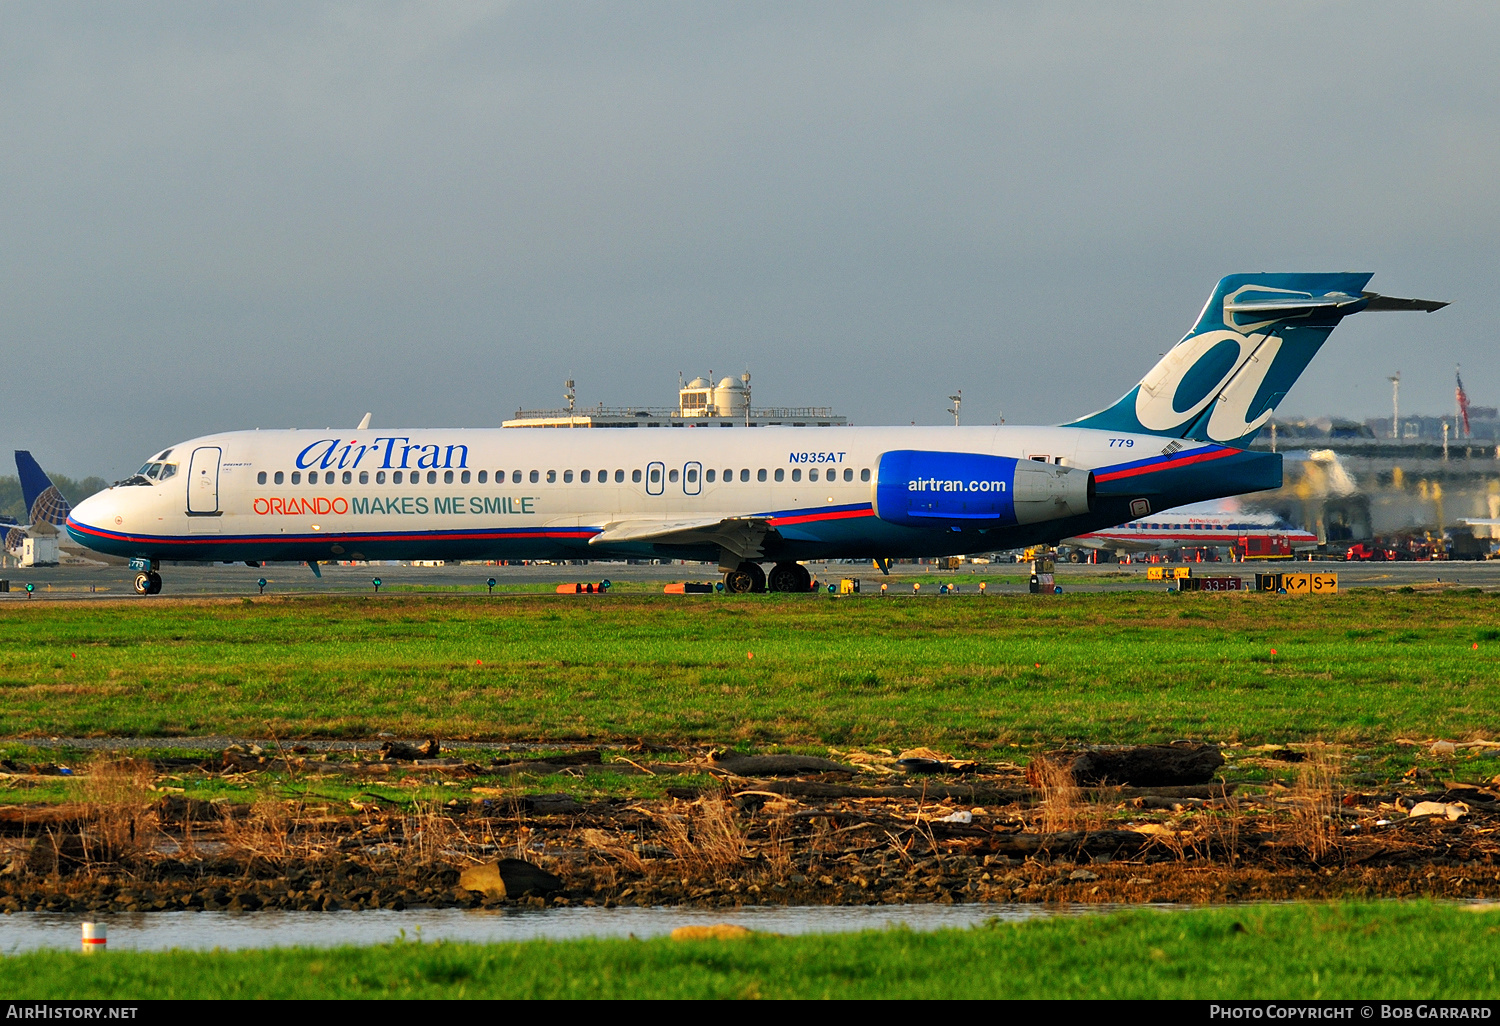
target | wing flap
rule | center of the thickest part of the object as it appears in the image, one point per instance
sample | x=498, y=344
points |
x=743, y=536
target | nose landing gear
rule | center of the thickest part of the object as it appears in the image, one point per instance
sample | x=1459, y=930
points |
x=148, y=583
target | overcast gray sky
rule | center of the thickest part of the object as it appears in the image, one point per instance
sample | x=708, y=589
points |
x=219, y=216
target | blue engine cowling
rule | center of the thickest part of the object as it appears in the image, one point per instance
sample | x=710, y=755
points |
x=942, y=490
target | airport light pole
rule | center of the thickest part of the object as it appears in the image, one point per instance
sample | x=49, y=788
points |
x=956, y=400
x=1395, y=380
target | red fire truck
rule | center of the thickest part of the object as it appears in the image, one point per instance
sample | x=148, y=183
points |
x=1263, y=546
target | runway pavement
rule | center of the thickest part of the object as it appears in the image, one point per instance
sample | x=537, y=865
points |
x=113, y=582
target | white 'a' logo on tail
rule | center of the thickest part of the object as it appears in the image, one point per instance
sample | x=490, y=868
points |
x=1194, y=374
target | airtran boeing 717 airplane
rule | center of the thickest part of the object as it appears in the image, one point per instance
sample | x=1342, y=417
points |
x=743, y=498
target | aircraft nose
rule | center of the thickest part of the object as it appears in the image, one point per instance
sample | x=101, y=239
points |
x=102, y=523
x=97, y=511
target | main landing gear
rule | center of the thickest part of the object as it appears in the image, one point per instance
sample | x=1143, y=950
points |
x=745, y=578
x=148, y=582
x=785, y=577
x=789, y=577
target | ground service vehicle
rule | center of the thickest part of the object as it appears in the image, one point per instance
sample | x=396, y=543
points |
x=1264, y=546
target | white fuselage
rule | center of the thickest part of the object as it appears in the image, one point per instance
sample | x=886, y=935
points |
x=540, y=493
x=1175, y=529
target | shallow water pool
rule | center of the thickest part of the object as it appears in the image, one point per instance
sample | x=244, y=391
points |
x=158, y=931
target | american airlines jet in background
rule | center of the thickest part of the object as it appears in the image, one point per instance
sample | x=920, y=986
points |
x=1203, y=526
x=748, y=496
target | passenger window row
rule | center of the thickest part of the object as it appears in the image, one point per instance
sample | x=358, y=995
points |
x=535, y=476
x=397, y=477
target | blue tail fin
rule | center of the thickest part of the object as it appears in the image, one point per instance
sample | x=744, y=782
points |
x=1255, y=336
x=44, y=503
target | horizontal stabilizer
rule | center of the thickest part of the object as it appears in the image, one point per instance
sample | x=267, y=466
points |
x=1379, y=302
x=1291, y=305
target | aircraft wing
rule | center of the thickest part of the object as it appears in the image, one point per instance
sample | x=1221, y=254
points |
x=743, y=536
x=1480, y=522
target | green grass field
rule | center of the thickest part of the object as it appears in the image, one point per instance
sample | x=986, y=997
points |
x=965, y=672
x=1384, y=950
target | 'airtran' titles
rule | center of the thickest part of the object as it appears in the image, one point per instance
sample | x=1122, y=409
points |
x=394, y=453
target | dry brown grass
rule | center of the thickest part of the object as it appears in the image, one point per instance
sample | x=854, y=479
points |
x=1315, y=803
x=1061, y=806
x=1099, y=807
x=283, y=832
x=779, y=846
x=703, y=832
x=119, y=797
x=266, y=833
x=427, y=835
x=426, y=832
x=1221, y=828
x=822, y=839
x=612, y=847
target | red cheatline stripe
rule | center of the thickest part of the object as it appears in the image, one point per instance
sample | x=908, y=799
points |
x=282, y=539
x=1180, y=461
x=811, y=517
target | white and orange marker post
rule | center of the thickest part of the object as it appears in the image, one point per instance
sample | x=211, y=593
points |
x=95, y=937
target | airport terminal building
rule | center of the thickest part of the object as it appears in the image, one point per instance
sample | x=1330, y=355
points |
x=700, y=403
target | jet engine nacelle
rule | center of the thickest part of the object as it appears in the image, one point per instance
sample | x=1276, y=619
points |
x=943, y=490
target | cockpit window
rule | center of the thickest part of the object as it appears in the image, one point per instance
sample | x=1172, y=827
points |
x=152, y=472
x=162, y=455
